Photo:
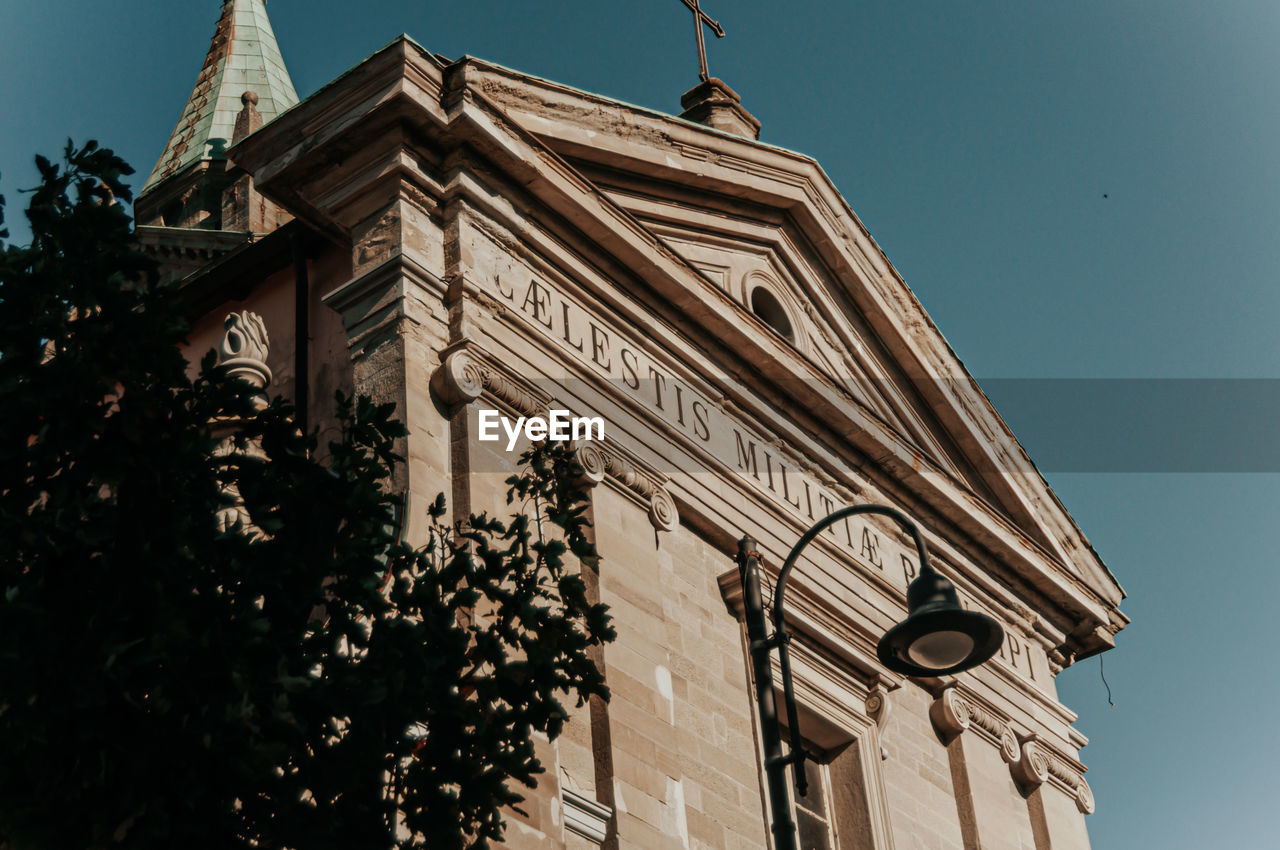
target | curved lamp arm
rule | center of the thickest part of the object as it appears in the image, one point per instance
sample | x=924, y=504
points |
x=938, y=637
x=798, y=753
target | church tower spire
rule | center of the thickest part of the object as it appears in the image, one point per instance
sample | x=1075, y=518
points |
x=185, y=188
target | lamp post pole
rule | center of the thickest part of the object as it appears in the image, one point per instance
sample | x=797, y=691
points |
x=775, y=763
x=937, y=638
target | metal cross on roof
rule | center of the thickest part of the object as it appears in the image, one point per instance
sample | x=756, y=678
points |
x=700, y=19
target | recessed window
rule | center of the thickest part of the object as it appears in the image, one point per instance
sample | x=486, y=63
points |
x=833, y=815
x=814, y=820
x=770, y=310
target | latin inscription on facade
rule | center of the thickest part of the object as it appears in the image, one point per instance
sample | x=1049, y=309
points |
x=757, y=462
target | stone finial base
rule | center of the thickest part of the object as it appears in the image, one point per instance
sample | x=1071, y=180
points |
x=713, y=103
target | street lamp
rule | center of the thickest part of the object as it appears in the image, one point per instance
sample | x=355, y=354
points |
x=937, y=638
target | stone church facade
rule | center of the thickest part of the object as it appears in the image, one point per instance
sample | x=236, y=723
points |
x=457, y=237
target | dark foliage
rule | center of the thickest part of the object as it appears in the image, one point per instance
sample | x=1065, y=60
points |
x=167, y=684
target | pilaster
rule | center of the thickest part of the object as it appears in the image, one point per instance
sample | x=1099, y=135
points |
x=393, y=311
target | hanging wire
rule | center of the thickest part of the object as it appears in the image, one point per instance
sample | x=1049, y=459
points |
x=1102, y=671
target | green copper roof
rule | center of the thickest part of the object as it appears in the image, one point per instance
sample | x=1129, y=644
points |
x=243, y=57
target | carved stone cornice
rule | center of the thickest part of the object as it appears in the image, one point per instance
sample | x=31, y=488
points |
x=1059, y=770
x=585, y=816
x=1067, y=774
x=599, y=459
x=955, y=712
x=302, y=155
x=1032, y=762
x=1032, y=768
x=381, y=297
x=1057, y=661
x=465, y=374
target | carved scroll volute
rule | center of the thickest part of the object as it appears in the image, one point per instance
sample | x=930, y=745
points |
x=663, y=513
x=244, y=349
x=1010, y=750
x=459, y=379
x=1084, y=798
x=1032, y=768
x=593, y=462
x=878, y=706
x=950, y=714
x=598, y=460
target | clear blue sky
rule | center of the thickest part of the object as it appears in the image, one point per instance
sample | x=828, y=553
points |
x=977, y=141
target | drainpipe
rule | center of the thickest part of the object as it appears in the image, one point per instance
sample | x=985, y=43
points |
x=302, y=330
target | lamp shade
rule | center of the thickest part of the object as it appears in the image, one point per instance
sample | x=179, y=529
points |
x=938, y=637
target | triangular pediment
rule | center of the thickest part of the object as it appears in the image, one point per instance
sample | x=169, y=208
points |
x=761, y=266
x=701, y=218
x=745, y=213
